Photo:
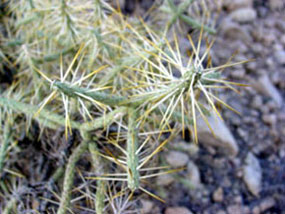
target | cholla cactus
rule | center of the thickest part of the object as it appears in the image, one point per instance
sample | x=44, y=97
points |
x=86, y=67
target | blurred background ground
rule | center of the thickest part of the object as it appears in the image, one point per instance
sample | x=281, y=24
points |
x=243, y=174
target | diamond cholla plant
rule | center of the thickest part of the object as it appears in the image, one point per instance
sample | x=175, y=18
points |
x=86, y=67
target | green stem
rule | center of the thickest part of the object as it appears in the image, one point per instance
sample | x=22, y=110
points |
x=4, y=145
x=98, y=165
x=132, y=146
x=69, y=176
x=65, y=15
x=69, y=172
x=197, y=25
x=103, y=121
x=75, y=92
x=50, y=119
x=53, y=56
x=178, y=13
x=100, y=197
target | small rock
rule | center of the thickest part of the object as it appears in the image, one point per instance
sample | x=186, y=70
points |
x=268, y=38
x=177, y=159
x=193, y=174
x=246, y=210
x=191, y=148
x=252, y=174
x=238, y=74
x=226, y=182
x=269, y=22
x=265, y=86
x=257, y=49
x=276, y=77
x=266, y=204
x=147, y=206
x=235, y=4
x=282, y=153
x=256, y=210
x=256, y=102
x=218, y=195
x=270, y=119
x=276, y=4
x=239, y=173
x=234, y=31
x=280, y=57
x=238, y=199
x=177, y=210
x=164, y=180
x=270, y=62
x=235, y=209
x=272, y=105
x=242, y=133
x=224, y=138
x=243, y=15
x=278, y=47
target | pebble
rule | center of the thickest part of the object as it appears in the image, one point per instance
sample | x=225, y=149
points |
x=226, y=183
x=223, y=138
x=193, y=174
x=257, y=48
x=242, y=133
x=238, y=73
x=270, y=62
x=252, y=174
x=269, y=22
x=265, y=86
x=272, y=105
x=280, y=57
x=238, y=199
x=278, y=48
x=218, y=195
x=246, y=210
x=235, y=4
x=256, y=102
x=234, y=209
x=234, y=31
x=266, y=204
x=256, y=210
x=268, y=38
x=177, y=210
x=243, y=15
x=276, y=77
x=276, y=4
x=147, y=206
x=177, y=159
x=191, y=148
x=282, y=153
x=270, y=119
x=164, y=180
